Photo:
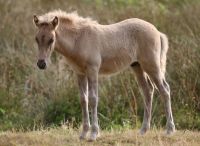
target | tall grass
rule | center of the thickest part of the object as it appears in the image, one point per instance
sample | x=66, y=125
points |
x=30, y=97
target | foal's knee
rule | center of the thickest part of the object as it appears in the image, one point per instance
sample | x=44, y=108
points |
x=165, y=93
x=83, y=101
x=150, y=85
x=93, y=100
x=166, y=85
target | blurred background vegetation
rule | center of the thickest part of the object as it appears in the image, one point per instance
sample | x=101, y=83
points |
x=30, y=98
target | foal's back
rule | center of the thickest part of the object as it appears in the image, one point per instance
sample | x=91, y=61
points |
x=121, y=44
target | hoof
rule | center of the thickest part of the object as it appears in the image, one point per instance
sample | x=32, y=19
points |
x=170, y=131
x=144, y=130
x=84, y=132
x=83, y=135
x=93, y=136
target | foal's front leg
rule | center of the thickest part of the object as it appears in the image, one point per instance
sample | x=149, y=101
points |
x=83, y=87
x=93, y=102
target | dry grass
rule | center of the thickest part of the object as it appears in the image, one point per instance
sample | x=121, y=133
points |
x=29, y=97
x=69, y=137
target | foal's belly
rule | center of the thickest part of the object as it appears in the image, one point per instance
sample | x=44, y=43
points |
x=111, y=65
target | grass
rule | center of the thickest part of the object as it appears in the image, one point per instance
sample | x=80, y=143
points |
x=29, y=97
x=69, y=137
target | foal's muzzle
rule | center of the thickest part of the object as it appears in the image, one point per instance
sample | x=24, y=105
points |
x=41, y=64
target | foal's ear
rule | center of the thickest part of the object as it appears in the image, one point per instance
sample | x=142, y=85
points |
x=36, y=20
x=55, y=22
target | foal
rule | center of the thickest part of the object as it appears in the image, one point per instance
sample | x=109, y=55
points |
x=92, y=49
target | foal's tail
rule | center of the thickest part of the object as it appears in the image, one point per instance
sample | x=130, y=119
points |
x=163, y=53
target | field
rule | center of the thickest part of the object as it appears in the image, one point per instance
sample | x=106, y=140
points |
x=69, y=137
x=30, y=98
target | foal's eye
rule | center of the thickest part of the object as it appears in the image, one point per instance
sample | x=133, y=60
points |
x=50, y=41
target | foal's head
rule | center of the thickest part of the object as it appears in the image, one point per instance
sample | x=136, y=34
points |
x=45, y=39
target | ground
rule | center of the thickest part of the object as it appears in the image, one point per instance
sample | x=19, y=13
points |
x=69, y=137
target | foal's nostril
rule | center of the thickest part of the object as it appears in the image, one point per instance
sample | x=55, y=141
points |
x=41, y=64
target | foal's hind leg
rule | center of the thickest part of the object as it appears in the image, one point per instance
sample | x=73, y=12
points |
x=164, y=89
x=147, y=89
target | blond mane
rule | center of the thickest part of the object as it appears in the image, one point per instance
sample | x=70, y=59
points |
x=72, y=18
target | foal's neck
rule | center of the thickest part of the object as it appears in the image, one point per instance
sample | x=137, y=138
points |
x=65, y=41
